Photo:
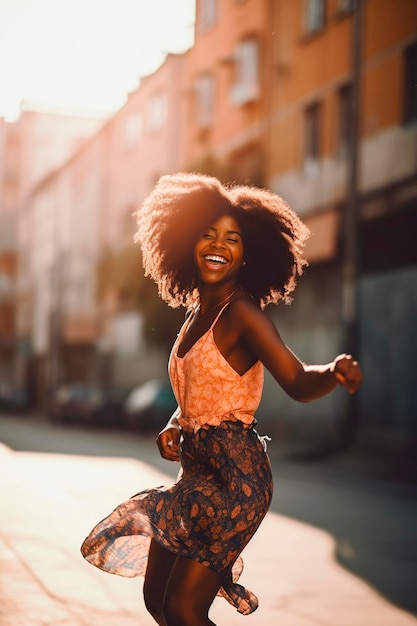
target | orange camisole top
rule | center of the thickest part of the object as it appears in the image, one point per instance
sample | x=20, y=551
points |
x=207, y=388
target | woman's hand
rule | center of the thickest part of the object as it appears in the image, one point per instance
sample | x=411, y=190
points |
x=347, y=372
x=168, y=443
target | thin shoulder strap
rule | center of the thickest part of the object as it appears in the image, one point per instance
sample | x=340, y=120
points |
x=219, y=313
x=188, y=318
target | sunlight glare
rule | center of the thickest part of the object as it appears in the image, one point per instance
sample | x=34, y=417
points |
x=85, y=55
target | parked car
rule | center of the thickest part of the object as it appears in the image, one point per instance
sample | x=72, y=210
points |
x=111, y=409
x=149, y=406
x=13, y=399
x=75, y=403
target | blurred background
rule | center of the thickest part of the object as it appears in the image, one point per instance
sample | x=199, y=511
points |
x=313, y=99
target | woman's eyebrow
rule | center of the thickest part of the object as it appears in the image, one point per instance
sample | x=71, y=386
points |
x=229, y=232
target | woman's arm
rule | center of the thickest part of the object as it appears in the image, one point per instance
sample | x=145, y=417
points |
x=300, y=381
x=169, y=438
x=173, y=420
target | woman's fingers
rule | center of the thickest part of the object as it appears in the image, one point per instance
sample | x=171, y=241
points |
x=348, y=372
x=168, y=444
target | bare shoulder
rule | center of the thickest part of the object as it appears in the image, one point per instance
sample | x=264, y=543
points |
x=246, y=314
x=243, y=304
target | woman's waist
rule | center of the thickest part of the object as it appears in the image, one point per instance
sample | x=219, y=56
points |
x=228, y=453
x=192, y=423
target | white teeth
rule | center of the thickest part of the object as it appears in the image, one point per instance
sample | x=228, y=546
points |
x=217, y=259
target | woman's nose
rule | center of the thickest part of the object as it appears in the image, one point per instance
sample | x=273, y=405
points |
x=217, y=243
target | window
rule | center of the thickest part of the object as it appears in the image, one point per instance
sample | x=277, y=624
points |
x=208, y=12
x=133, y=130
x=312, y=122
x=410, y=84
x=246, y=87
x=344, y=6
x=204, y=88
x=344, y=120
x=156, y=113
x=314, y=16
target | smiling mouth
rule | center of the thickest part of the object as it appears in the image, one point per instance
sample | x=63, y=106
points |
x=214, y=258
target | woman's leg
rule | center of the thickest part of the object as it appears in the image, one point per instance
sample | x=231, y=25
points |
x=160, y=563
x=189, y=593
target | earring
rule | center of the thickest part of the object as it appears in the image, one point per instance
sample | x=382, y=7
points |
x=243, y=263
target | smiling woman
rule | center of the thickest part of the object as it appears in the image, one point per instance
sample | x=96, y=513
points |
x=180, y=210
x=218, y=253
x=225, y=254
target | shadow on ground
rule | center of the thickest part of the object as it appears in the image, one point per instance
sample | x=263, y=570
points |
x=373, y=522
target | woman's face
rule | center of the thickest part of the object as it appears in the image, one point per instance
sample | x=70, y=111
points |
x=218, y=253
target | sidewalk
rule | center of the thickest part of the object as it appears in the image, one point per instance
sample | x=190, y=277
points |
x=48, y=504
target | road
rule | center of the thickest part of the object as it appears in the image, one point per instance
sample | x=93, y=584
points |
x=373, y=523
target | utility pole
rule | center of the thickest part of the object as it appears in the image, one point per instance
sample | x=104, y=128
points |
x=351, y=218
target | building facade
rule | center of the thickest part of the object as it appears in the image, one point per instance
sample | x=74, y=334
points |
x=30, y=148
x=342, y=149
x=226, y=87
x=77, y=324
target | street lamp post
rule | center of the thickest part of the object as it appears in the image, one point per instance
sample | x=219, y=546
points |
x=350, y=231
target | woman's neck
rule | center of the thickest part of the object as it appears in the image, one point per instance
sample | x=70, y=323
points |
x=214, y=299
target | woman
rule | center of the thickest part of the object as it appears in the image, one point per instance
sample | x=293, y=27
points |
x=224, y=254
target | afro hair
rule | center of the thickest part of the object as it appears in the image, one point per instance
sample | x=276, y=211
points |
x=179, y=208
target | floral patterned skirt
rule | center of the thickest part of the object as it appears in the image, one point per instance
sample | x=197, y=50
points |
x=208, y=515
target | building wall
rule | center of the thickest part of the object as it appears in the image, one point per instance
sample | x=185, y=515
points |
x=8, y=271
x=144, y=139
x=308, y=69
x=312, y=69
x=73, y=215
x=388, y=304
x=389, y=148
x=234, y=123
x=30, y=148
x=35, y=144
x=59, y=252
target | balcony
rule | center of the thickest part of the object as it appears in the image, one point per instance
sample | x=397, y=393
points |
x=245, y=93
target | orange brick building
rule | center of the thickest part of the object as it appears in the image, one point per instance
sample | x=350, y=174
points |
x=226, y=76
x=343, y=150
x=316, y=99
x=30, y=148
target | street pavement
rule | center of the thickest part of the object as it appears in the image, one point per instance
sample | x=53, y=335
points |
x=49, y=502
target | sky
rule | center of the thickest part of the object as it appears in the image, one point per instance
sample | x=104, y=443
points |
x=85, y=54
